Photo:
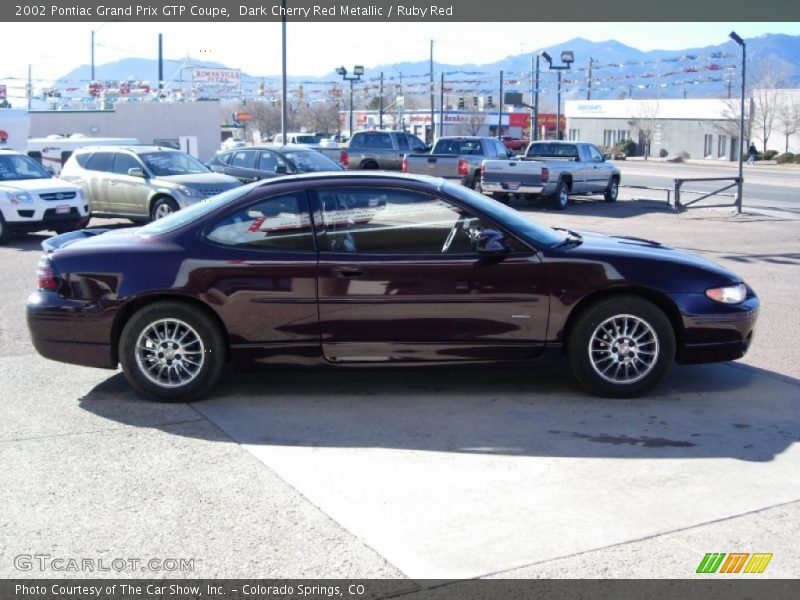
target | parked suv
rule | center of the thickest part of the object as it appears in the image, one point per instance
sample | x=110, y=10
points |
x=142, y=183
x=31, y=200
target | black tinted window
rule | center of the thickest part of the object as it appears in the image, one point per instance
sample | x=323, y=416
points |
x=280, y=223
x=123, y=162
x=378, y=141
x=99, y=161
x=243, y=159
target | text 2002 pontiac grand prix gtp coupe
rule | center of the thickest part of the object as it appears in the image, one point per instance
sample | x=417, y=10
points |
x=356, y=268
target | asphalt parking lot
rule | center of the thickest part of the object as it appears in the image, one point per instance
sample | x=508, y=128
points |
x=421, y=473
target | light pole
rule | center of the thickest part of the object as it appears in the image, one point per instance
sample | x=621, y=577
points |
x=358, y=71
x=735, y=37
x=567, y=58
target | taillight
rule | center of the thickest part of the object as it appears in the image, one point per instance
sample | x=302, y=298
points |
x=404, y=167
x=344, y=159
x=463, y=167
x=545, y=174
x=46, y=274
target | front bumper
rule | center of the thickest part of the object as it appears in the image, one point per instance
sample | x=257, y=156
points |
x=36, y=218
x=714, y=332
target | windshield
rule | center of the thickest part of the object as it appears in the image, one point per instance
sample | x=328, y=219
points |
x=310, y=160
x=162, y=164
x=14, y=167
x=185, y=216
x=528, y=230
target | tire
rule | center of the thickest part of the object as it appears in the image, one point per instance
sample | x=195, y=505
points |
x=560, y=198
x=155, y=347
x=79, y=225
x=368, y=165
x=612, y=191
x=163, y=207
x=5, y=231
x=624, y=366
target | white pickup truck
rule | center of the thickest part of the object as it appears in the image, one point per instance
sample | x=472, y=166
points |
x=554, y=170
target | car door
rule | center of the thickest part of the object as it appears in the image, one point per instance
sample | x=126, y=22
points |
x=270, y=164
x=259, y=265
x=242, y=165
x=599, y=170
x=95, y=181
x=400, y=280
x=129, y=194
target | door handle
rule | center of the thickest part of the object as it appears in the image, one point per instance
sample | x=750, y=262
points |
x=348, y=272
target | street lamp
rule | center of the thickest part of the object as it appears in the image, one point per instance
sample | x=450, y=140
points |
x=358, y=71
x=567, y=58
x=735, y=37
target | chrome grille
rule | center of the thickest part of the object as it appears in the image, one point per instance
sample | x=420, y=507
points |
x=51, y=196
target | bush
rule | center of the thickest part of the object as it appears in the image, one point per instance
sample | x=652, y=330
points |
x=768, y=155
x=627, y=147
x=797, y=158
x=785, y=158
x=663, y=153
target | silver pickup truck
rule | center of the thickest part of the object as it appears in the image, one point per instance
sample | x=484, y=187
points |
x=552, y=169
x=375, y=150
x=457, y=158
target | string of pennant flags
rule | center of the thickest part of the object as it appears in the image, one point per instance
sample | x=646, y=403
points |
x=707, y=68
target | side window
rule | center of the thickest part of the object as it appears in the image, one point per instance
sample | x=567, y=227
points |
x=417, y=145
x=402, y=143
x=225, y=158
x=394, y=221
x=280, y=223
x=100, y=161
x=243, y=159
x=123, y=162
x=268, y=161
x=500, y=149
x=594, y=154
x=378, y=141
x=357, y=141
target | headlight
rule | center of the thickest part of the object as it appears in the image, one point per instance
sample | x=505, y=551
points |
x=20, y=198
x=191, y=193
x=730, y=294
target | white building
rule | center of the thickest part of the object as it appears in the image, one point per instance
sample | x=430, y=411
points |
x=703, y=128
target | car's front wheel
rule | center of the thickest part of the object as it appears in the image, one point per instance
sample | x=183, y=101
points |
x=5, y=231
x=612, y=191
x=171, y=352
x=162, y=208
x=621, y=347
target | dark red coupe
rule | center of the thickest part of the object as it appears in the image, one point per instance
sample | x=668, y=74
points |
x=376, y=268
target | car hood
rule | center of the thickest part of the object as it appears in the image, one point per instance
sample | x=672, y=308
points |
x=646, y=256
x=39, y=185
x=199, y=179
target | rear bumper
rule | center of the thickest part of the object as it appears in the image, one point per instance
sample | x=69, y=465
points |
x=69, y=331
x=495, y=187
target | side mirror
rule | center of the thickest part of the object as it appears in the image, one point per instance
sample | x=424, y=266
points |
x=137, y=172
x=428, y=147
x=281, y=170
x=606, y=156
x=493, y=243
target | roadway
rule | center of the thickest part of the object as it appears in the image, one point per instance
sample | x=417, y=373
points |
x=766, y=187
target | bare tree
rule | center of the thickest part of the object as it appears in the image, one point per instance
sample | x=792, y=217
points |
x=645, y=123
x=787, y=114
x=768, y=76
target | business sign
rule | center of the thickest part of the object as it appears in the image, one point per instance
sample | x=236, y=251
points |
x=223, y=77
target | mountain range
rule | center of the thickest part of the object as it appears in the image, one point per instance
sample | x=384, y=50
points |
x=617, y=71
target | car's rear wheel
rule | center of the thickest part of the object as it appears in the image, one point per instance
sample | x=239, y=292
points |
x=560, y=199
x=162, y=208
x=171, y=352
x=621, y=347
x=612, y=191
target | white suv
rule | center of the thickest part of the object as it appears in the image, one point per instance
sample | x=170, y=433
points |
x=31, y=200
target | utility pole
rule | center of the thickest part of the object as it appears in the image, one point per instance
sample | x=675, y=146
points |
x=160, y=64
x=433, y=131
x=535, y=123
x=284, y=113
x=30, y=87
x=380, y=114
x=441, y=107
x=500, y=109
x=589, y=85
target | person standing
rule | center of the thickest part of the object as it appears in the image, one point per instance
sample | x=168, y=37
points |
x=751, y=154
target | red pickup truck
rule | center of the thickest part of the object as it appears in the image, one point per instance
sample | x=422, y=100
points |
x=515, y=144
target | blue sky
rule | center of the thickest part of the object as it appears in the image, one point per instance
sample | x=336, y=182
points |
x=316, y=48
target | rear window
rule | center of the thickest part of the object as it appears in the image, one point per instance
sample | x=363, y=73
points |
x=553, y=150
x=456, y=147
